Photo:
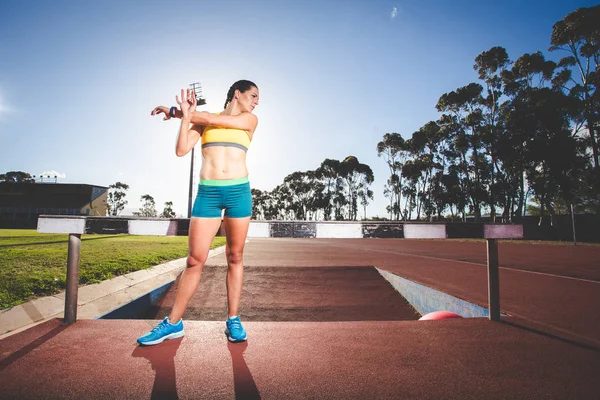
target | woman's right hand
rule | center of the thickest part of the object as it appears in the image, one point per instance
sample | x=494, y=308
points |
x=161, y=109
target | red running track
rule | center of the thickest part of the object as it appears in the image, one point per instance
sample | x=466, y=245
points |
x=547, y=350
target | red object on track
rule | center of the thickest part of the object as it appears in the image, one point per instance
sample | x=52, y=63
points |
x=439, y=315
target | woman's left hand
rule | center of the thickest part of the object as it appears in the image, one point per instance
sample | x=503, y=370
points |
x=187, y=103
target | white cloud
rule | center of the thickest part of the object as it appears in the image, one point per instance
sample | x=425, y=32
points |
x=394, y=12
x=53, y=174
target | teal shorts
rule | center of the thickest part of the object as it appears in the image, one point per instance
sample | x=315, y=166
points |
x=214, y=196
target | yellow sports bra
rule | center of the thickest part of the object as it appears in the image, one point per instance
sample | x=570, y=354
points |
x=217, y=136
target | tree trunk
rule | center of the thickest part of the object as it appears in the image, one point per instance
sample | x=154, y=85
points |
x=521, y=196
x=492, y=197
x=476, y=211
x=507, y=213
x=399, y=196
x=591, y=130
x=542, y=209
x=552, y=213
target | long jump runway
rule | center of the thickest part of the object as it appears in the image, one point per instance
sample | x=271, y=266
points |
x=323, y=324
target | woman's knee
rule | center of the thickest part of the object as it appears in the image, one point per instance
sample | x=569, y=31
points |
x=234, y=256
x=196, y=259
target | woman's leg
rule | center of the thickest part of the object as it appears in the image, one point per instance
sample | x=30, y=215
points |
x=236, y=230
x=201, y=234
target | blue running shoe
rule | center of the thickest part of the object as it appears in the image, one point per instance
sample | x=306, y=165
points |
x=162, y=331
x=235, y=332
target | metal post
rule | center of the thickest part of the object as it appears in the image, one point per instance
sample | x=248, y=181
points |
x=573, y=224
x=72, y=278
x=493, y=279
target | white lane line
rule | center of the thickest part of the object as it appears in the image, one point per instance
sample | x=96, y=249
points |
x=553, y=275
x=467, y=262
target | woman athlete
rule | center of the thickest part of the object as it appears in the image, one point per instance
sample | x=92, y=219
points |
x=224, y=185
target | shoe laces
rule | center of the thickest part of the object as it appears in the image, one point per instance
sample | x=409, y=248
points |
x=160, y=327
x=235, y=324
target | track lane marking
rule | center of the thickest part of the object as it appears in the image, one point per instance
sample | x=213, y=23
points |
x=465, y=262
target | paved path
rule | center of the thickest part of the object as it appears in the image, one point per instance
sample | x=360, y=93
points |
x=547, y=349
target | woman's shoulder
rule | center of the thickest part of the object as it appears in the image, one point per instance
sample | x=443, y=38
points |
x=249, y=114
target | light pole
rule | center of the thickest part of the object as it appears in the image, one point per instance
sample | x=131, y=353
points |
x=200, y=101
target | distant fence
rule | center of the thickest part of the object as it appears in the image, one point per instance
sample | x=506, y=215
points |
x=587, y=226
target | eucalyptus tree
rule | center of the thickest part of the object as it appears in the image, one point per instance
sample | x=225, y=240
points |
x=16, y=177
x=555, y=156
x=329, y=175
x=490, y=65
x=510, y=186
x=265, y=204
x=259, y=203
x=168, y=211
x=354, y=173
x=455, y=155
x=339, y=200
x=394, y=151
x=462, y=123
x=578, y=34
x=528, y=71
x=305, y=193
x=452, y=194
x=537, y=119
x=271, y=205
x=438, y=197
x=148, y=208
x=427, y=145
x=410, y=194
x=364, y=195
x=298, y=191
x=412, y=170
x=282, y=205
x=317, y=204
x=116, y=198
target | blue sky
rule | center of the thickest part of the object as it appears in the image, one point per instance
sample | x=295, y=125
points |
x=78, y=79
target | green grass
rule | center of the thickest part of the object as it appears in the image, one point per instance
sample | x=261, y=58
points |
x=34, y=264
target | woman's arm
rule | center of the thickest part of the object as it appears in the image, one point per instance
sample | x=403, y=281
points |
x=245, y=121
x=188, y=137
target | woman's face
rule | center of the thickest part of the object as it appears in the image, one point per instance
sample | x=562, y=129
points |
x=248, y=100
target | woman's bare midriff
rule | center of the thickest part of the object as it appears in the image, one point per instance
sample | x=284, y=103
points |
x=221, y=162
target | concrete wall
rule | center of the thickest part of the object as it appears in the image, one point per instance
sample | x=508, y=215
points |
x=278, y=229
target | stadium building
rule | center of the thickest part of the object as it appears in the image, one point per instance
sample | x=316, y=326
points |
x=22, y=203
